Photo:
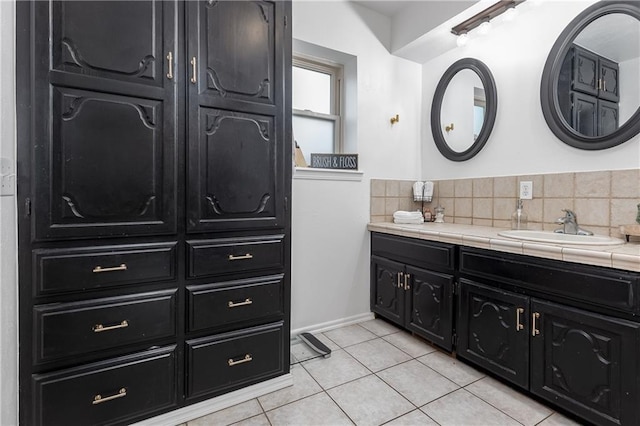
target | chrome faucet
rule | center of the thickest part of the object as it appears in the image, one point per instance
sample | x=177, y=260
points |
x=570, y=224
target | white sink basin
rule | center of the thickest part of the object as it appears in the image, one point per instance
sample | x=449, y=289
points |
x=552, y=237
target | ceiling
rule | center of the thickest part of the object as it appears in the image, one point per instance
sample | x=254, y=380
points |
x=386, y=7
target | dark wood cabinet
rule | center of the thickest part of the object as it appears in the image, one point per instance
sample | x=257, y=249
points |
x=492, y=329
x=520, y=318
x=419, y=299
x=588, y=92
x=155, y=171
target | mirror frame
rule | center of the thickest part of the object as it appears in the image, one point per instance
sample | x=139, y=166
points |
x=490, y=113
x=551, y=73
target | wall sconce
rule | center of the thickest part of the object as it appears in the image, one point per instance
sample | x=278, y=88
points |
x=395, y=119
x=482, y=19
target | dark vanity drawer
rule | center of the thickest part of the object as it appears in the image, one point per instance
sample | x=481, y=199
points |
x=412, y=251
x=107, y=392
x=602, y=287
x=87, y=268
x=231, y=255
x=225, y=362
x=66, y=329
x=219, y=304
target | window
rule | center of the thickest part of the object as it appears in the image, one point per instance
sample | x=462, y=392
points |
x=317, y=97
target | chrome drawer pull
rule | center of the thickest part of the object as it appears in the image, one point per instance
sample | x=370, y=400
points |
x=247, y=358
x=98, y=328
x=99, y=399
x=519, y=325
x=170, y=65
x=243, y=257
x=534, y=329
x=194, y=69
x=245, y=303
x=122, y=267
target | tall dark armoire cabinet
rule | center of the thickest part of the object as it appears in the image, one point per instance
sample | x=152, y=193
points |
x=154, y=178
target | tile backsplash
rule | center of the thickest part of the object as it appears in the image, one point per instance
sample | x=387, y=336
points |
x=602, y=200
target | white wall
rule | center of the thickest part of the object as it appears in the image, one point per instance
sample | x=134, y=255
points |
x=8, y=226
x=330, y=244
x=521, y=142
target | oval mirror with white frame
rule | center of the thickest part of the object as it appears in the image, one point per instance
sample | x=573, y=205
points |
x=464, y=109
x=590, y=90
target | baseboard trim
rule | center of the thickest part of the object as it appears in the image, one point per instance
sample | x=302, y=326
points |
x=330, y=325
x=221, y=402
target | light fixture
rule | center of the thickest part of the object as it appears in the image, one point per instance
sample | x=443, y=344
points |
x=484, y=28
x=510, y=14
x=485, y=16
x=462, y=40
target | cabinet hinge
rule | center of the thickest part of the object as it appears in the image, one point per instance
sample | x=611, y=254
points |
x=27, y=207
x=454, y=339
x=456, y=287
x=285, y=20
x=286, y=204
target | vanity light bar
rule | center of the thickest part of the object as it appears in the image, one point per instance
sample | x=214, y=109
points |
x=484, y=16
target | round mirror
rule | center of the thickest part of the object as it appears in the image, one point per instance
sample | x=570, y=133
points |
x=463, y=109
x=590, y=90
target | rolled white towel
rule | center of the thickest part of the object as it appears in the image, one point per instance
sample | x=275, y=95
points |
x=408, y=217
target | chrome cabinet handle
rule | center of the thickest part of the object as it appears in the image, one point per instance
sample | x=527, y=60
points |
x=122, y=267
x=519, y=325
x=243, y=257
x=99, y=399
x=407, y=277
x=170, y=65
x=99, y=328
x=236, y=304
x=247, y=358
x=194, y=70
x=534, y=330
x=398, y=280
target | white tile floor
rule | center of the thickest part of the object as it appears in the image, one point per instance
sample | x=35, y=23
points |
x=378, y=374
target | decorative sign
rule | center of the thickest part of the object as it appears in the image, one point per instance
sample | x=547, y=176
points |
x=334, y=161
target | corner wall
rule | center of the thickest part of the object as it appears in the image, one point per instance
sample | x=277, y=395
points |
x=8, y=225
x=521, y=142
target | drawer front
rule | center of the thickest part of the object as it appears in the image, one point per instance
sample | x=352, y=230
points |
x=234, y=302
x=66, y=329
x=421, y=253
x=579, y=282
x=89, y=268
x=222, y=363
x=107, y=392
x=232, y=255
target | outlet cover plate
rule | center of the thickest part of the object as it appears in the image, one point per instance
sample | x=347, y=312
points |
x=526, y=190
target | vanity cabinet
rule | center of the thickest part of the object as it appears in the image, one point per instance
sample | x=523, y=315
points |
x=154, y=152
x=412, y=285
x=567, y=333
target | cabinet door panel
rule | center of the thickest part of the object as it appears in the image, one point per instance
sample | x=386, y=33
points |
x=233, y=170
x=585, y=71
x=429, y=310
x=488, y=330
x=387, y=293
x=609, y=77
x=586, y=363
x=607, y=117
x=585, y=114
x=105, y=145
x=237, y=36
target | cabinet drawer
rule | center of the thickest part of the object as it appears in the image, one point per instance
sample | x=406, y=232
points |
x=87, y=268
x=233, y=302
x=221, y=363
x=66, y=329
x=421, y=253
x=232, y=255
x=598, y=286
x=107, y=392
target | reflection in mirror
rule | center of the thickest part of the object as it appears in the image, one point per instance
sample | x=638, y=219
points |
x=463, y=108
x=589, y=93
x=598, y=86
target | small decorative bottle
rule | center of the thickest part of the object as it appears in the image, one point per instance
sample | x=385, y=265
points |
x=519, y=218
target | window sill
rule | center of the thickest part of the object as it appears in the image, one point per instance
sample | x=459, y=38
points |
x=327, y=174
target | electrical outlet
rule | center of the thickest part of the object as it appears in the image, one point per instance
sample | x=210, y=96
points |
x=526, y=190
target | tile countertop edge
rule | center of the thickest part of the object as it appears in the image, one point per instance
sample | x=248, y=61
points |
x=624, y=256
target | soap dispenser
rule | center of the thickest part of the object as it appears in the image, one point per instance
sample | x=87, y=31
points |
x=519, y=218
